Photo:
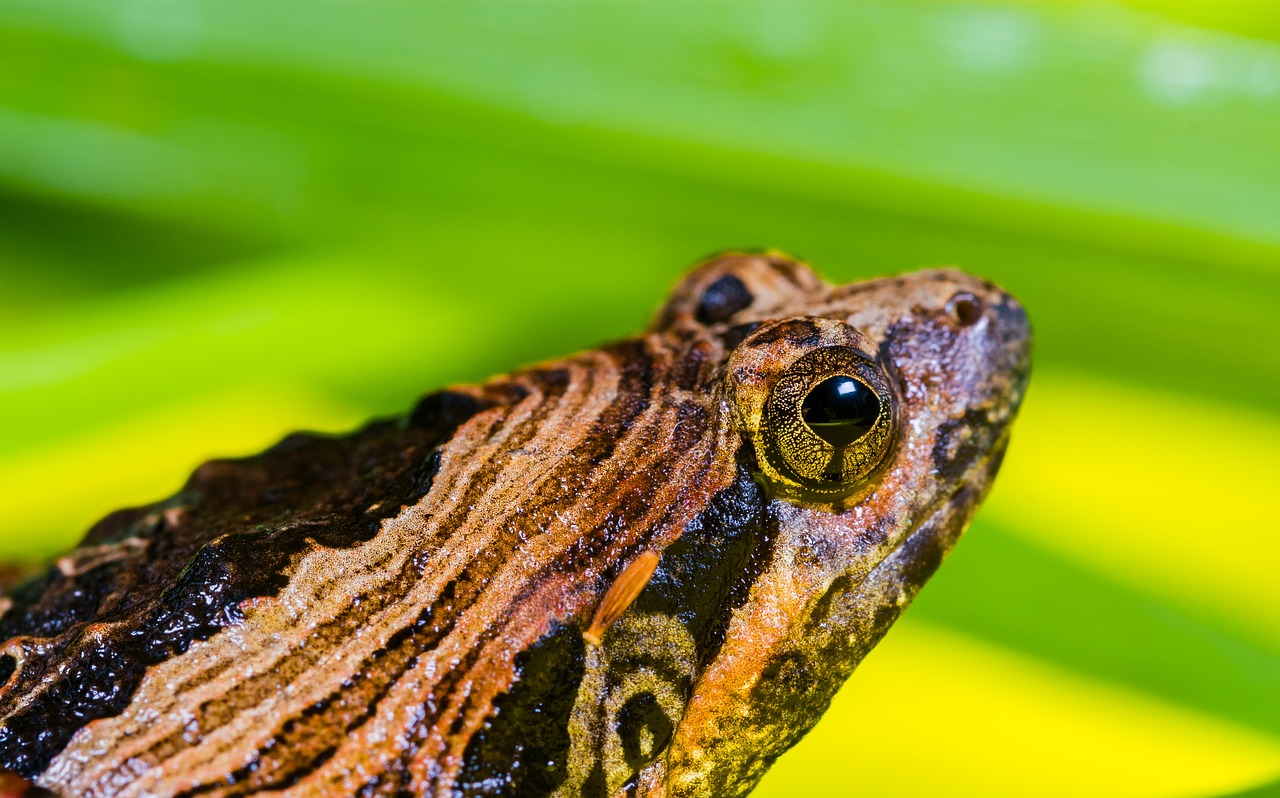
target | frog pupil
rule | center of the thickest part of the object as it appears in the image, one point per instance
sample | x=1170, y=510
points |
x=840, y=410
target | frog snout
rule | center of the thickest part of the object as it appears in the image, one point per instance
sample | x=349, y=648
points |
x=1011, y=329
x=1006, y=350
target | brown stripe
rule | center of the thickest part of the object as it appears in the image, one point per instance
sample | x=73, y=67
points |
x=500, y=548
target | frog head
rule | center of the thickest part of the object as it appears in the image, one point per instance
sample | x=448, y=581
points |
x=867, y=423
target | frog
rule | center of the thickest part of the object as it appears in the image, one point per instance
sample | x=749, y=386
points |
x=642, y=570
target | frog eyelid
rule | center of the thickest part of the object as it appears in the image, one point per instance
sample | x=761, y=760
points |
x=773, y=374
x=802, y=453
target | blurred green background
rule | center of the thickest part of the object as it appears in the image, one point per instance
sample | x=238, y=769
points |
x=223, y=220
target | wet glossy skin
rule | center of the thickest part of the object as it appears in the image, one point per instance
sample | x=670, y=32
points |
x=643, y=570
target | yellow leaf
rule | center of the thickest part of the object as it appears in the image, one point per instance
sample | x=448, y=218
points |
x=933, y=713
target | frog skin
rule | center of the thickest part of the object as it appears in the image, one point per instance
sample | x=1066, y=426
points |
x=638, y=571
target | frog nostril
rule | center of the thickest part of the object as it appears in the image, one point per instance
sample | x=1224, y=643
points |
x=965, y=308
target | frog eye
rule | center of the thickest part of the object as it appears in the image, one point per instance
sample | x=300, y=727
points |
x=841, y=409
x=816, y=406
x=828, y=421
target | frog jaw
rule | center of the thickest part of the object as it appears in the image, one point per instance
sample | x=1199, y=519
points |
x=805, y=628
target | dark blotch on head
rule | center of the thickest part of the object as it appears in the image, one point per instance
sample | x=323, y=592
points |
x=924, y=556
x=841, y=587
x=965, y=308
x=787, y=667
x=643, y=712
x=958, y=444
x=724, y=297
x=801, y=333
x=735, y=334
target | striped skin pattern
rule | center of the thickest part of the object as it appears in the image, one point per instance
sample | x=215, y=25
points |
x=402, y=611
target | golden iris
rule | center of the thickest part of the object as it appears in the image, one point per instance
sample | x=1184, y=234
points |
x=829, y=419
